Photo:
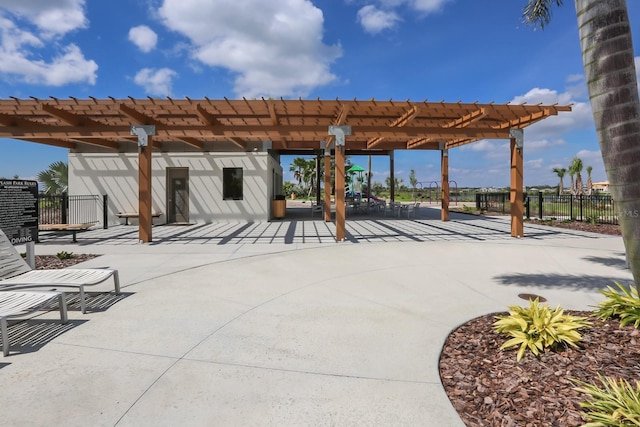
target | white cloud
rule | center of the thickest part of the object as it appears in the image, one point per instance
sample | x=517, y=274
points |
x=143, y=37
x=580, y=116
x=52, y=17
x=542, y=144
x=21, y=50
x=534, y=163
x=374, y=20
x=155, y=82
x=427, y=6
x=275, y=47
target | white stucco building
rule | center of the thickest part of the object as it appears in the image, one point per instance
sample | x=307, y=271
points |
x=187, y=187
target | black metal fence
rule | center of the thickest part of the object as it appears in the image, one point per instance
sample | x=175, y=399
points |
x=64, y=209
x=598, y=209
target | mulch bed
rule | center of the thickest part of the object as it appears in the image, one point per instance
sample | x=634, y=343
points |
x=45, y=262
x=488, y=387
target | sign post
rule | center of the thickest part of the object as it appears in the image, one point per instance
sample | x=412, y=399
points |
x=19, y=213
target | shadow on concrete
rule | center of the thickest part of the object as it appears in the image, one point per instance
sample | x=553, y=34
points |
x=27, y=336
x=559, y=281
x=96, y=302
x=620, y=263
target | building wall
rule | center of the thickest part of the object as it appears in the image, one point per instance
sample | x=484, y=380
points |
x=116, y=175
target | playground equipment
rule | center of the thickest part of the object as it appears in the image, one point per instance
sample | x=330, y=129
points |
x=438, y=190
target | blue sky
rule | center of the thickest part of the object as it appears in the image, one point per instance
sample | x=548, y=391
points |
x=384, y=49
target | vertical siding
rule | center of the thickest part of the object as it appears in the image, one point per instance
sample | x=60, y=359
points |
x=116, y=175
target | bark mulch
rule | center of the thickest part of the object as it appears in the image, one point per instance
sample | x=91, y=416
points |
x=488, y=387
x=45, y=262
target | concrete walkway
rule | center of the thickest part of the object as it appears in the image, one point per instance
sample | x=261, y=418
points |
x=232, y=331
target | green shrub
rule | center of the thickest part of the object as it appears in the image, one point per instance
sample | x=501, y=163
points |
x=615, y=404
x=538, y=327
x=623, y=304
x=64, y=255
x=593, y=220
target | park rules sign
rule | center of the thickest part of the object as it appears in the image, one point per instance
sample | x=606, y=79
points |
x=19, y=210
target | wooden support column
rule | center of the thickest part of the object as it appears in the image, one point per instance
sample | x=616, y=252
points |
x=517, y=182
x=444, y=167
x=340, y=147
x=327, y=185
x=340, y=196
x=144, y=191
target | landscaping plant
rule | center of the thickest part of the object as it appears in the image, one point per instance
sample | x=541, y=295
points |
x=623, y=304
x=64, y=255
x=616, y=404
x=538, y=327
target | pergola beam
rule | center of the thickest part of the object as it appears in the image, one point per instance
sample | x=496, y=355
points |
x=193, y=142
x=521, y=122
x=467, y=119
x=138, y=117
x=67, y=116
x=405, y=118
x=104, y=143
x=374, y=141
x=239, y=142
x=56, y=142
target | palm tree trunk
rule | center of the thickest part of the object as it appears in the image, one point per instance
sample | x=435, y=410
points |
x=607, y=53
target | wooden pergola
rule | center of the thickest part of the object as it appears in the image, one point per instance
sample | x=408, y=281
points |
x=338, y=127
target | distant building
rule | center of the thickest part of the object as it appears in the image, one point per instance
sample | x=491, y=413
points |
x=601, y=186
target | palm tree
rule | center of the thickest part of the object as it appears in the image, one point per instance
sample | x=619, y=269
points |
x=55, y=179
x=572, y=174
x=589, y=181
x=608, y=58
x=413, y=181
x=576, y=166
x=561, y=172
x=297, y=167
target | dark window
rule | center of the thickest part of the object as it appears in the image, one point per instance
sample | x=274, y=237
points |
x=232, y=183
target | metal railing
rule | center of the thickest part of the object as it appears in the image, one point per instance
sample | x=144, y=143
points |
x=598, y=209
x=77, y=209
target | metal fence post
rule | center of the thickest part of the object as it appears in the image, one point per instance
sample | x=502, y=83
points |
x=540, y=202
x=527, y=200
x=580, y=204
x=571, y=207
x=105, y=205
x=64, y=201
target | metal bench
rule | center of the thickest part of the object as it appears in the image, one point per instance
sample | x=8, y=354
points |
x=66, y=228
x=127, y=215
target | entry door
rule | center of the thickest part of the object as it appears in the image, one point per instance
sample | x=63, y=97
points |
x=177, y=195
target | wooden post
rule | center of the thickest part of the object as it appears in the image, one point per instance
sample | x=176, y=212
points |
x=327, y=185
x=144, y=191
x=444, y=166
x=516, y=195
x=340, y=197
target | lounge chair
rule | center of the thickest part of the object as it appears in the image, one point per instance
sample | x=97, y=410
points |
x=14, y=304
x=15, y=273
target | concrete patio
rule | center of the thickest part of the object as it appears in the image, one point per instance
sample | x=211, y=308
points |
x=275, y=324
